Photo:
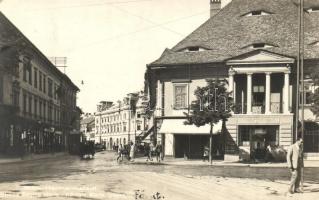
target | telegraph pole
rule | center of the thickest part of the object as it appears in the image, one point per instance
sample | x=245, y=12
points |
x=300, y=70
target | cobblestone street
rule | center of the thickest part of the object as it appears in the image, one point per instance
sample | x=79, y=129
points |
x=68, y=177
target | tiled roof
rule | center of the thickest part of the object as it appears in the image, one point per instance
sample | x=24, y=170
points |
x=228, y=33
x=87, y=120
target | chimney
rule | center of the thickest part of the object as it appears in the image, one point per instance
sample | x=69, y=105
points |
x=215, y=6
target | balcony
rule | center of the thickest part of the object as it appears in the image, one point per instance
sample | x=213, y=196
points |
x=258, y=108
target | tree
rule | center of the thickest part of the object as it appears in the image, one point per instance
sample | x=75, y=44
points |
x=315, y=96
x=213, y=103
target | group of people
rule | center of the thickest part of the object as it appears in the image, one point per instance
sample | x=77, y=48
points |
x=149, y=149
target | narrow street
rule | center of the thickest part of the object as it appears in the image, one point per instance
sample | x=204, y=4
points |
x=68, y=177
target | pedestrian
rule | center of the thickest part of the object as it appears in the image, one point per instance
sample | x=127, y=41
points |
x=132, y=149
x=120, y=153
x=147, y=151
x=205, y=153
x=151, y=151
x=158, y=151
x=295, y=164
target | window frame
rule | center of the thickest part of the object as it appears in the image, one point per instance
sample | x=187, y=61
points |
x=182, y=107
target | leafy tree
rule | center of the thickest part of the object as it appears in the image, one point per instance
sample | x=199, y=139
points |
x=315, y=96
x=213, y=103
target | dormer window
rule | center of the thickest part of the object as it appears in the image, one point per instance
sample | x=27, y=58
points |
x=259, y=46
x=316, y=43
x=193, y=49
x=314, y=9
x=257, y=13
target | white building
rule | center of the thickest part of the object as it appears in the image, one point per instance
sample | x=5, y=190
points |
x=120, y=122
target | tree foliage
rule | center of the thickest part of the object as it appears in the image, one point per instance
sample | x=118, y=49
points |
x=213, y=103
x=315, y=96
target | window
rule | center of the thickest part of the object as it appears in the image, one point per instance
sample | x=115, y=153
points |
x=138, y=127
x=257, y=13
x=314, y=9
x=50, y=88
x=30, y=74
x=35, y=107
x=40, y=108
x=35, y=78
x=40, y=81
x=24, y=73
x=180, y=95
x=193, y=49
x=124, y=127
x=138, y=115
x=44, y=83
x=24, y=103
x=44, y=110
x=308, y=93
x=30, y=105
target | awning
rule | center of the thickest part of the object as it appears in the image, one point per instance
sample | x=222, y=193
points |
x=176, y=126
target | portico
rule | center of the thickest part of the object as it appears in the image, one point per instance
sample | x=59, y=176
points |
x=260, y=84
x=262, y=92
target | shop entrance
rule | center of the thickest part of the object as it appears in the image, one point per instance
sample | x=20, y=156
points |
x=192, y=146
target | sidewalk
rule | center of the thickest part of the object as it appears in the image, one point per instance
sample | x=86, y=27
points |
x=182, y=161
x=7, y=159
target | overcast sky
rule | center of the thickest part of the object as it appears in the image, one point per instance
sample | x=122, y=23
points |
x=107, y=42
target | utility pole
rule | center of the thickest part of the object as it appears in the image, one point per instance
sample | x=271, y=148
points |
x=300, y=78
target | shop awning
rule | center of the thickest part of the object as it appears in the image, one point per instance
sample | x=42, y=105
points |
x=177, y=126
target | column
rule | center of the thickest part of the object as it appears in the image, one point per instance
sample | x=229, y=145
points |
x=231, y=81
x=268, y=87
x=286, y=94
x=249, y=90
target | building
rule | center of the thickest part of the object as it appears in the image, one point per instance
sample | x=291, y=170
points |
x=120, y=122
x=88, y=127
x=252, y=44
x=37, y=102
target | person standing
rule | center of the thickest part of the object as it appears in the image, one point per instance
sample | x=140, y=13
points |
x=120, y=153
x=295, y=164
x=158, y=150
x=132, y=149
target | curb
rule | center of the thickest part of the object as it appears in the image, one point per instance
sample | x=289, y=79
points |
x=31, y=158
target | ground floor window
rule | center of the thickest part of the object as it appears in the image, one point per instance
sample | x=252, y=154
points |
x=258, y=138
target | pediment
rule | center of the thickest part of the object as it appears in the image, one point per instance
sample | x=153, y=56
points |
x=260, y=57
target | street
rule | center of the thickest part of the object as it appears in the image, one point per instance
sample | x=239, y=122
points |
x=68, y=177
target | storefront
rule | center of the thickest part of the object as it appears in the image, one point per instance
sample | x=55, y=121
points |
x=188, y=141
x=257, y=138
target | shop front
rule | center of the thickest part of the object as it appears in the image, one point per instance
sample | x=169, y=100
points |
x=189, y=141
x=256, y=139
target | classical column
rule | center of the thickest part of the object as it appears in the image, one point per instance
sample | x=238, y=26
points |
x=231, y=80
x=286, y=93
x=268, y=87
x=249, y=90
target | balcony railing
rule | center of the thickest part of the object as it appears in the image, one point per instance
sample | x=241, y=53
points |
x=240, y=109
x=275, y=108
x=258, y=108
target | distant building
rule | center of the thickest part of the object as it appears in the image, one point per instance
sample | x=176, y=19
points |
x=38, y=110
x=120, y=122
x=88, y=127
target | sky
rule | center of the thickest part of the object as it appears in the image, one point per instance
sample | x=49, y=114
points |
x=108, y=43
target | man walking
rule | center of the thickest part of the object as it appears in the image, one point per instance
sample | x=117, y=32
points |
x=295, y=163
